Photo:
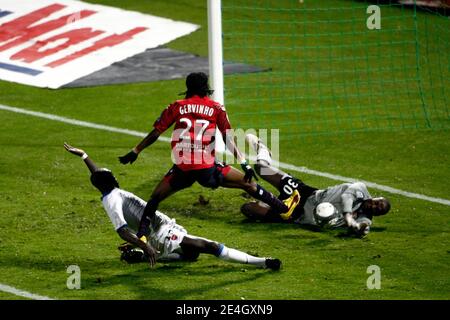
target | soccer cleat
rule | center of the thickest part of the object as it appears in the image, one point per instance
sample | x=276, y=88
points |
x=291, y=202
x=262, y=151
x=273, y=264
x=133, y=256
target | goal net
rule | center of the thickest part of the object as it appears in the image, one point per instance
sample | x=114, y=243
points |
x=336, y=66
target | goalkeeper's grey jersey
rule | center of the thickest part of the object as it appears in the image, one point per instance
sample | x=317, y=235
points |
x=125, y=208
x=346, y=197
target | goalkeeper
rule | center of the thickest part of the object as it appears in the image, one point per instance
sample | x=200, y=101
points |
x=165, y=240
x=354, y=206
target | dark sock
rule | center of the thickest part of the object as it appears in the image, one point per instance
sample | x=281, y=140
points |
x=149, y=211
x=265, y=196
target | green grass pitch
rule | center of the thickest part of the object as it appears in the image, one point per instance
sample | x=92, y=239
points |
x=51, y=217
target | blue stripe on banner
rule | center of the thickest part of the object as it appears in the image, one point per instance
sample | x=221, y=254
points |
x=4, y=13
x=11, y=67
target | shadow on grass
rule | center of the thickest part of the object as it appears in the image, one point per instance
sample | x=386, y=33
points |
x=159, y=283
x=347, y=234
x=166, y=281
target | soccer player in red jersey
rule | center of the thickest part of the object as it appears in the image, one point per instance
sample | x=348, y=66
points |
x=196, y=119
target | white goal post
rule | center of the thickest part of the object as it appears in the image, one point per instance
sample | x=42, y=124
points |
x=215, y=58
x=215, y=53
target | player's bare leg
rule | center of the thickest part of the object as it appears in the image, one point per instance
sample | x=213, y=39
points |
x=255, y=210
x=192, y=246
x=161, y=192
x=258, y=211
x=235, y=179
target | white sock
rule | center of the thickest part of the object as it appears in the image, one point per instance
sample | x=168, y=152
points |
x=233, y=255
x=264, y=154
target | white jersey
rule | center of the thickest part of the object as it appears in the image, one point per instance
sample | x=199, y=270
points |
x=126, y=209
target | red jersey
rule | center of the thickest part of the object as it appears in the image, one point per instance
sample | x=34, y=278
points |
x=196, y=120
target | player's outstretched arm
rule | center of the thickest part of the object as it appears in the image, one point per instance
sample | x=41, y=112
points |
x=79, y=152
x=131, y=156
x=347, y=200
x=130, y=237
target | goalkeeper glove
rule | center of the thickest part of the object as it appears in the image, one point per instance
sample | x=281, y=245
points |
x=130, y=157
x=249, y=172
x=363, y=227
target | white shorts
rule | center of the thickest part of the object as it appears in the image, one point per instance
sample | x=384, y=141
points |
x=167, y=241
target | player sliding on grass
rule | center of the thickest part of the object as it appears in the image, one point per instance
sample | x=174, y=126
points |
x=345, y=205
x=165, y=240
x=196, y=118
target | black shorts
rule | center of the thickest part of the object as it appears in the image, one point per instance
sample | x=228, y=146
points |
x=210, y=177
x=287, y=187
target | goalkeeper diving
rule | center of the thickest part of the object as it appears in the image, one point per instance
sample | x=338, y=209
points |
x=347, y=205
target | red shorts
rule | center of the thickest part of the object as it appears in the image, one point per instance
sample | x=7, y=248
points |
x=210, y=177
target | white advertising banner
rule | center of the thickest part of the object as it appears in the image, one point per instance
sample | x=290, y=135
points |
x=49, y=43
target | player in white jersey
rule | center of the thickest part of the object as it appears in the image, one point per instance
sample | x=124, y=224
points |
x=165, y=240
x=353, y=206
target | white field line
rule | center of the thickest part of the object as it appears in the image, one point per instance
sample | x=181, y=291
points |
x=373, y=185
x=285, y=166
x=22, y=293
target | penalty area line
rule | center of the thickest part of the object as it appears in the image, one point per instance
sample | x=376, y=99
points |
x=285, y=166
x=21, y=293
